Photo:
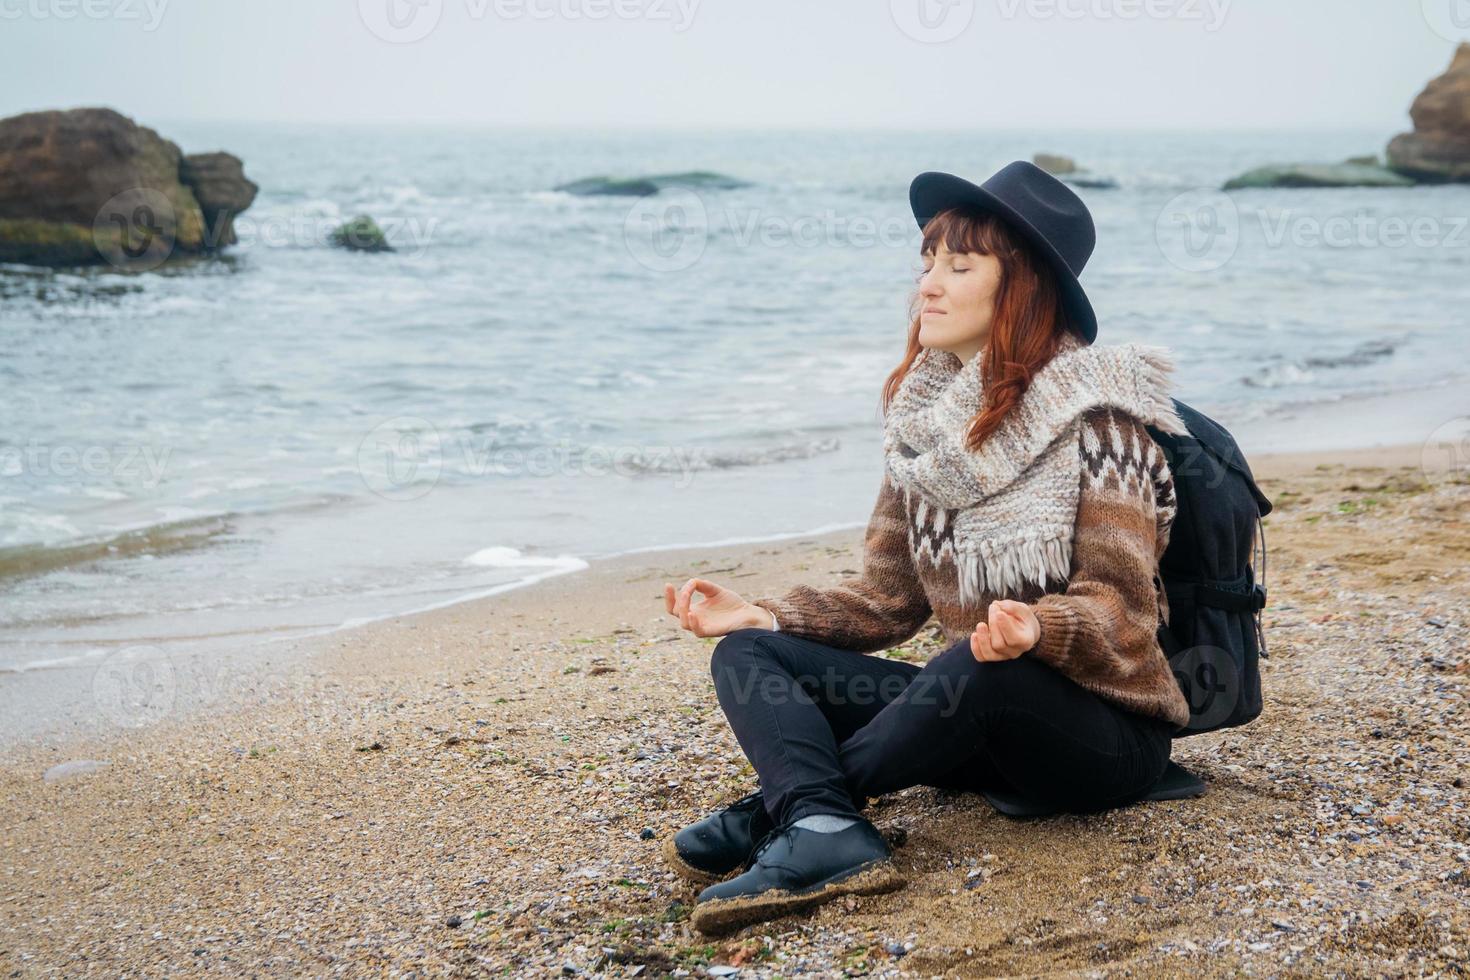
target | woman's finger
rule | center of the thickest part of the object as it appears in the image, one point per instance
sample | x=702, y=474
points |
x=685, y=594
x=980, y=643
x=1001, y=628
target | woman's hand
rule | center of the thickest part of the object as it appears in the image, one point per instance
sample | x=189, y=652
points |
x=721, y=612
x=1011, y=630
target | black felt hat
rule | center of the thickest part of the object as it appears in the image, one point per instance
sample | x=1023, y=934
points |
x=1042, y=209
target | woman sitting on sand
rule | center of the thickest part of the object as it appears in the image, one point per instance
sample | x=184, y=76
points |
x=1025, y=506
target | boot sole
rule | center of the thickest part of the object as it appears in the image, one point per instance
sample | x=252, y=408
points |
x=719, y=915
x=688, y=871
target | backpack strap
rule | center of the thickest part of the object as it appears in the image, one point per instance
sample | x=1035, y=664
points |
x=1211, y=594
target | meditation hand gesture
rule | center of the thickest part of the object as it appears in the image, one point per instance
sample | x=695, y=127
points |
x=1011, y=630
x=722, y=610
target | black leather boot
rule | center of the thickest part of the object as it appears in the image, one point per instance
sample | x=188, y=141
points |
x=795, y=868
x=709, y=849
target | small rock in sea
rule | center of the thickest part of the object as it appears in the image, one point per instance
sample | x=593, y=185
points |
x=361, y=234
x=569, y=970
x=640, y=755
x=76, y=767
x=1140, y=899
x=646, y=833
x=894, y=948
x=1436, y=622
x=454, y=922
x=723, y=971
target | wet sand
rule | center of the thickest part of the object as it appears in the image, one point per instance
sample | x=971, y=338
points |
x=484, y=789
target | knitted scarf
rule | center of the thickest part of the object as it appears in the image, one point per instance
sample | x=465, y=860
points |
x=1006, y=512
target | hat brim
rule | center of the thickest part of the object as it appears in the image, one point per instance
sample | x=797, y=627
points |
x=931, y=192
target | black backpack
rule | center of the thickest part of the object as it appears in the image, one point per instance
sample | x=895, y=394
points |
x=1214, y=635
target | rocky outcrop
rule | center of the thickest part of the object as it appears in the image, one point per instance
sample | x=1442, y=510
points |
x=1054, y=163
x=90, y=185
x=1346, y=174
x=643, y=186
x=1439, y=147
x=1066, y=169
x=220, y=186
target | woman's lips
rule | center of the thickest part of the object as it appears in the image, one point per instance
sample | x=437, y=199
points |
x=932, y=310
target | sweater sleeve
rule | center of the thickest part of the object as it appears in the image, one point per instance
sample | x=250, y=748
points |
x=1102, y=630
x=880, y=607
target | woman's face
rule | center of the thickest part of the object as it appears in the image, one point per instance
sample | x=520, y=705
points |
x=958, y=299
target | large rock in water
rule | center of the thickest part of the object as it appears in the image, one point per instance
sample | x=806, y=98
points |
x=1439, y=147
x=643, y=186
x=220, y=186
x=90, y=185
x=1347, y=174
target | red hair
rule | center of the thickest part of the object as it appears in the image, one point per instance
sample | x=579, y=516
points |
x=1026, y=328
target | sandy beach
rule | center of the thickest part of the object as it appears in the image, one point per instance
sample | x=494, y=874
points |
x=484, y=789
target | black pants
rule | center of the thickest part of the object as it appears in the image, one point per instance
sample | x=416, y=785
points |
x=827, y=728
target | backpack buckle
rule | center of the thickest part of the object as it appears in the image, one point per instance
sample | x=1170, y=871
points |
x=1258, y=597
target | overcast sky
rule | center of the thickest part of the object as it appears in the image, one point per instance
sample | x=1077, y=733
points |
x=809, y=63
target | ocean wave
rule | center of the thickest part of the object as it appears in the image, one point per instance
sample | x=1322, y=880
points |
x=704, y=459
x=1360, y=356
x=168, y=537
x=1302, y=370
x=501, y=556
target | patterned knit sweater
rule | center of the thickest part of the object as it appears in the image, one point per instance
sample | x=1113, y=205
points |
x=1099, y=629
